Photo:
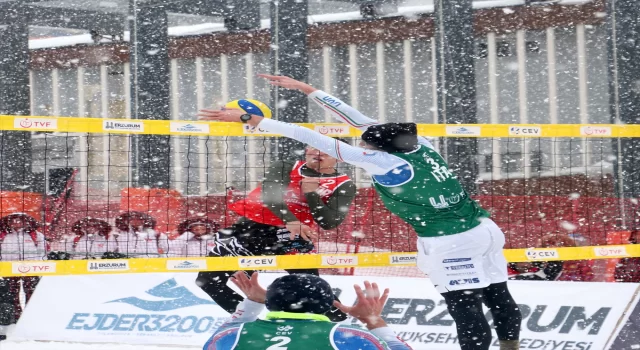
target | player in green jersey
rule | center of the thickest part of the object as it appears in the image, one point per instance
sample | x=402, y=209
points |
x=459, y=247
x=297, y=304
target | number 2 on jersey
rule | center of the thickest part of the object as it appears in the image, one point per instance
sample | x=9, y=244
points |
x=282, y=341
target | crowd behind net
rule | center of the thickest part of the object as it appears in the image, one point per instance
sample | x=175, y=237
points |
x=535, y=188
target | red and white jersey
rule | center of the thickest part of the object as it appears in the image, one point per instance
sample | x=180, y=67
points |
x=142, y=244
x=85, y=246
x=254, y=209
x=22, y=245
x=188, y=245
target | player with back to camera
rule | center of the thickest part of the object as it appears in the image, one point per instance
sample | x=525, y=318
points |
x=459, y=247
x=297, y=304
x=279, y=216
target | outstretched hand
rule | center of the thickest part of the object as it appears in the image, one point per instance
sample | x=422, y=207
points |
x=250, y=287
x=288, y=83
x=368, y=306
x=221, y=115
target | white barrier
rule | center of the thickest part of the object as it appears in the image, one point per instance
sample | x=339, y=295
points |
x=169, y=309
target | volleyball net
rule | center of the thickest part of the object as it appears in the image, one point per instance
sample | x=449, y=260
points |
x=551, y=188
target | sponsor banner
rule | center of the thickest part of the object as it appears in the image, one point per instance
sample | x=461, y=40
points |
x=170, y=309
x=339, y=260
x=532, y=130
x=119, y=125
x=593, y=130
x=542, y=254
x=403, y=259
x=628, y=334
x=257, y=261
x=35, y=123
x=252, y=130
x=190, y=264
x=106, y=265
x=195, y=128
x=338, y=129
x=463, y=130
x=33, y=267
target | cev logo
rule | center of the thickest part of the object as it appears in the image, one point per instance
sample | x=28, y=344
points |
x=542, y=254
x=525, y=131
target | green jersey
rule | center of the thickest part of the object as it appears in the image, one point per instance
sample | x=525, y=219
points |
x=287, y=331
x=429, y=198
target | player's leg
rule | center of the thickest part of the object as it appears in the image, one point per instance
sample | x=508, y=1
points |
x=506, y=313
x=214, y=283
x=454, y=265
x=465, y=307
x=7, y=305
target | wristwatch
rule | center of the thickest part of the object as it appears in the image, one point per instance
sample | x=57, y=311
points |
x=245, y=117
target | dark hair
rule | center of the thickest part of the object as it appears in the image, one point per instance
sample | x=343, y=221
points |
x=300, y=293
x=392, y=137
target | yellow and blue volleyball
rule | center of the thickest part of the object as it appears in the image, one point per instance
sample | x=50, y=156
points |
x=254, y=107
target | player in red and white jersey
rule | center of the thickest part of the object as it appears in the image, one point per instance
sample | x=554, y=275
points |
x=282, y=215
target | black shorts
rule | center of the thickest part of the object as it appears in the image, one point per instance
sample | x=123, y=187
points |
x=261, y=239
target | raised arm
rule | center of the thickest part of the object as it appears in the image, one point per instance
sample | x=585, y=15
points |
x=331, y=214
x=338, y=108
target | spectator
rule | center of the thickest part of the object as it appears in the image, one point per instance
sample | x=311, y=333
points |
x=628, y=269
x=91, y=239
x=135, y=236
x=297, y=304
x=572, y=270
x=19, y=240
x=196, y=237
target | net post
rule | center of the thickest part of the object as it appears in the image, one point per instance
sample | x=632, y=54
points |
x=15, y=146
x=624, y=73
x=456, y=92
x=149, y=54
x=289, y=56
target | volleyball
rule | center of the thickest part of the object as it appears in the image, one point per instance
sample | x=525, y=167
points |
x=254, y=107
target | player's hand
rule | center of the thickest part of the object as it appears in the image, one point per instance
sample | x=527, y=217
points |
x=368, y=306
x=288, y=83
x=309, y=184
x=222, y=115
x=250, y=287
x=299, y=229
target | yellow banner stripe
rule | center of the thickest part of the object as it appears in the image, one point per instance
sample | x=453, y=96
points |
x=185, y=127
x=386, y=259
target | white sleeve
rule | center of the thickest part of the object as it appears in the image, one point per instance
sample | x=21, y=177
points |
x=348, y=114
x=341, y=110
x=374, y=162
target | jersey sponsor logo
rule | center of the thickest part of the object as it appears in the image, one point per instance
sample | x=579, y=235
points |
x=611, y=251
x=339, y=129
x=117, y=125
x=199, y=264
x=463, y=281
x=448, y=261
x=396, y=177
x=595, y=131
x=122, y=265
x=284, y=330
x=542, y=254
x=36, y=123
x=175, y=297
x=445, y=202
x=460, y=267
x=534, y=130
x=463, y=130
x=331, y=101
x=340, y=260
x=468, y=273
x=189, y=127
x=28, y=267
x=403, y=259
x=256, y=262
